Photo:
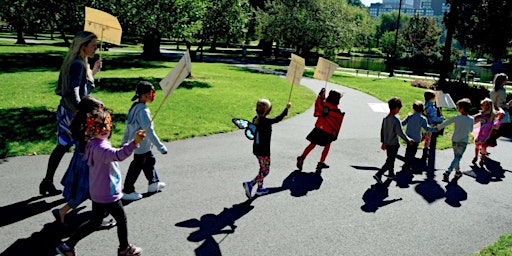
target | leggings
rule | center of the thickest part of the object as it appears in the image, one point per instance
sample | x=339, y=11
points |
x=99, y=211
x=264, y=162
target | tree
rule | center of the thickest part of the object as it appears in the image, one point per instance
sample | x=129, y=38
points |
x=421, y=35
x=387, y=43
x=156, y=19
x=305, y=25
x=485, y=26
x=225, y=19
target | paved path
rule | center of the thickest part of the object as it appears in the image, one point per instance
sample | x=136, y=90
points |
x=204, y=211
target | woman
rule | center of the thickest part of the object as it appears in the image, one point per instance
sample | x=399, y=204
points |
x=75, y=82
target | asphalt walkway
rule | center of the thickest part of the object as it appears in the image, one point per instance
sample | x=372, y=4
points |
x=341, y=211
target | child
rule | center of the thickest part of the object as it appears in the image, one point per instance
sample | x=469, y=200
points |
x=261, y=145
x=490, y=121
x=327, y=126
x=463, y=126
x=139, y=118
x=415, y=122
x=389, y=133
x=76, y=178
x=105, y=183
x=434, y=117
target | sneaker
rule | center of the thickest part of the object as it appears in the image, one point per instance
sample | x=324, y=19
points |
x=446, y=177
x=474, y=160
x=107, y=224
x=132, y=196
x=378, y=179
x=131, y=250
x=321, y=165
x=300, y=162
x=261, y=191
x=458, y=174
x=155, y=187
x=64, y=250
x=248, y=189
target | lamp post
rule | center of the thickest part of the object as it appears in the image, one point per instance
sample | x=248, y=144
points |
x=393, y=57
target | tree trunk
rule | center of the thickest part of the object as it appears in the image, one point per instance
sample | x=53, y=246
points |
x=151, y=48
x=19, y=34
x=446, y=66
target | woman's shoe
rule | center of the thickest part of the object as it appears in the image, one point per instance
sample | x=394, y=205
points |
x=47, y=187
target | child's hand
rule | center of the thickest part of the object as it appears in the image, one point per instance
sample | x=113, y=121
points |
x=288, y=105
x=139, y=136
x=321, y=94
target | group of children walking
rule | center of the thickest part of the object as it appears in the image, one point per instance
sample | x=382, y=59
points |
x=326, y=130
x=94, y=170
x=483, y=125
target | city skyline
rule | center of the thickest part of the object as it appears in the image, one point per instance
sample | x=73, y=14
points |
x=368, y=2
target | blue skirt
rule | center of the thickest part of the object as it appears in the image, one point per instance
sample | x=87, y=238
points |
x=76, y=180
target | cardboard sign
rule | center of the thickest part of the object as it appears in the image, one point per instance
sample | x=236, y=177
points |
x=444, y=100
x=174, y=78
x=324, y=69
x=104, y=25
x=296, y=69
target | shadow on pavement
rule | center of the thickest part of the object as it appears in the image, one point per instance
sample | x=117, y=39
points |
x=374, y=197
x=429, y=189
x=26, y=209
x=491, y=171
x=44, y=242
x=211, y=224
x=300, y=183
x=454, y=193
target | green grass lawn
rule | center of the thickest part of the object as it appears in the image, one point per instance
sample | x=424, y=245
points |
x=202, y=105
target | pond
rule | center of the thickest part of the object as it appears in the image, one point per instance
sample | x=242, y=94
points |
x=484, y=73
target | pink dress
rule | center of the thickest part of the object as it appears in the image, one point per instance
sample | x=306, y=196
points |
x=486, y=125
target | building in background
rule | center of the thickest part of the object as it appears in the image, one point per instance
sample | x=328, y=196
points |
x=427, y=8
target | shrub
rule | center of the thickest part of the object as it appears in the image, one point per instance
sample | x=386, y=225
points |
x=423, y=84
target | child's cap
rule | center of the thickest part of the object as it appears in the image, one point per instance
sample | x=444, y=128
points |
x=142, y=87
x=263, y=106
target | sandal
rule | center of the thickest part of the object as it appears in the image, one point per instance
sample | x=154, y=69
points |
x=131, y=250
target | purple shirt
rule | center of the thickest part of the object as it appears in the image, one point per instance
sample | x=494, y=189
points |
x=105, y=182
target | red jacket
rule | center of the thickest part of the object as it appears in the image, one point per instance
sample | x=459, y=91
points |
x=329, y=117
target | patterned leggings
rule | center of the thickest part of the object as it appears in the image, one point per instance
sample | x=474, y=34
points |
x=264, y=162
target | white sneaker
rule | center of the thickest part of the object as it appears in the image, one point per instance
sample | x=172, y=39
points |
x=155, y=187
x=132, y=196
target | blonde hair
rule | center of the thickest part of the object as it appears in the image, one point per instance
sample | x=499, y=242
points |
x=489, y=103
x=263, y=107
x=76, y=51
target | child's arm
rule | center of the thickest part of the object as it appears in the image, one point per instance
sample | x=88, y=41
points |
x=445, y=123
x=319, y=103
x=400, y=132
x=406, y=120
x=145, y=122
x=281, y=116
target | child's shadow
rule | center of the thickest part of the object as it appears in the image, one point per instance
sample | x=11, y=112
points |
x=455, y=193
x=26, y=209
x=374, y=197
x=44, y=242
x=211, y=224
x=492, y=171
x=429, y=189
x=300, y=183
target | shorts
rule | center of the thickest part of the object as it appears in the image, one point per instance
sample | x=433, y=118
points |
x=320, y=137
